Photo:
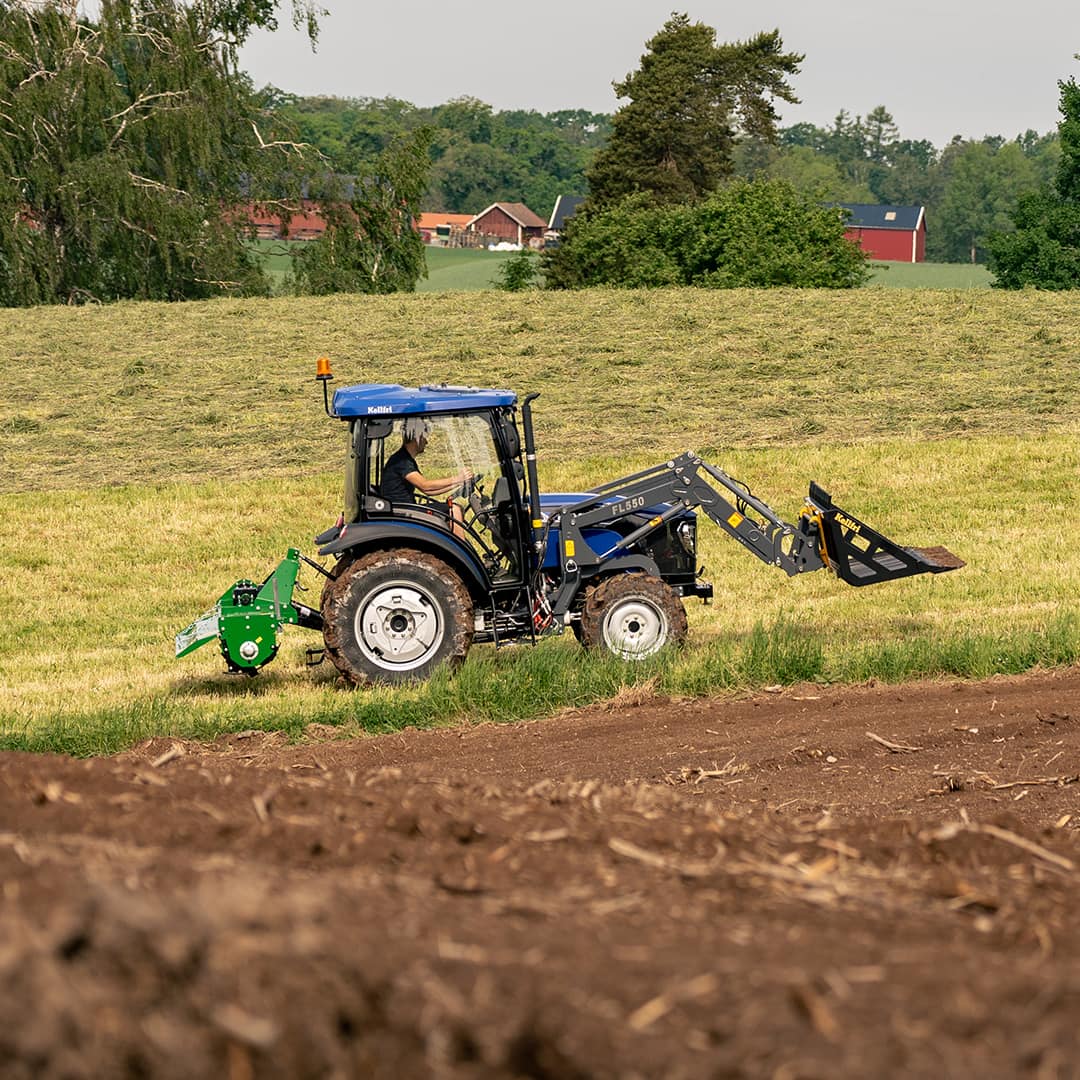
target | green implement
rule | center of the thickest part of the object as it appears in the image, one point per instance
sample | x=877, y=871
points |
x=247, y=618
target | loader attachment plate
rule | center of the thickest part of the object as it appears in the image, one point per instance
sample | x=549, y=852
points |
x=860, y=555
x=940, y=557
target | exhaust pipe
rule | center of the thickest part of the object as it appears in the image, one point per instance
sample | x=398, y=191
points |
x=530, y=469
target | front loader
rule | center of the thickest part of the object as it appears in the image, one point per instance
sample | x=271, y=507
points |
x=411, y=585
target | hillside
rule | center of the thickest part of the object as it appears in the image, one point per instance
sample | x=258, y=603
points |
x=148, y=392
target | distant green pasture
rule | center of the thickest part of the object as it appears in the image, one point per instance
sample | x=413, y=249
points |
x=926, y=275
x=473, y=270
x=449, y=269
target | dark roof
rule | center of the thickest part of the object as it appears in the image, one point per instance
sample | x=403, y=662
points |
x=565, y=205
x=872, y=216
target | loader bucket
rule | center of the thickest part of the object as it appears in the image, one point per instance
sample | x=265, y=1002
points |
x=860, y=555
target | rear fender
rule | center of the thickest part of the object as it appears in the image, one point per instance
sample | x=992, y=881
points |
x=361, y=537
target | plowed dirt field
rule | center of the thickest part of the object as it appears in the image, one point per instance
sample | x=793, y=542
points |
x=862, y=882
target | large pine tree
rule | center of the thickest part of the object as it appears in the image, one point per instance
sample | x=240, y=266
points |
x=688, y=102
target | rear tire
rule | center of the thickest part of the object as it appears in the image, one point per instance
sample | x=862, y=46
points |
x=395, y=616
x=632, y=616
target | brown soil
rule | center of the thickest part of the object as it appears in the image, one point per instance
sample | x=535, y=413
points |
x=864, y=882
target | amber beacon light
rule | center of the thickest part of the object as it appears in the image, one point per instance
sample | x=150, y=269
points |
x=324, y=375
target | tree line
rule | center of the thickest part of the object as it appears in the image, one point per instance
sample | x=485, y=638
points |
x=970, y=187
x=133, y=146
x=478, y=155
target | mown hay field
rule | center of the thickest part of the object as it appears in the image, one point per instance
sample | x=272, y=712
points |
x=153, y=454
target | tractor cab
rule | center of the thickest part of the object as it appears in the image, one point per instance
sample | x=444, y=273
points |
x=466, y=432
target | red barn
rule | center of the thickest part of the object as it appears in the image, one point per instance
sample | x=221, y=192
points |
x=887, y=233
x=306, y=223
x=513, y=222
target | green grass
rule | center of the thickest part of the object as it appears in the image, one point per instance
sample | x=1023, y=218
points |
x=153, y=454
x=276, y=259
x=899, y=275
x=471, y=270
x=449, y=269
x=143, y=393
x=462, y=269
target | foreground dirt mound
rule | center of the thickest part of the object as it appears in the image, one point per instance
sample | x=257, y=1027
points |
x=815, y=883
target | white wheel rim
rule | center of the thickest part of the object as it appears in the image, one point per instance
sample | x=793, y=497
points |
x=634, y=629
x=398, y=626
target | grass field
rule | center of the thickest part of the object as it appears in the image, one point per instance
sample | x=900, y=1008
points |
x=448, y=269
x=461, y=268
x=898, y=275
x=153, y=454
x=469, y=270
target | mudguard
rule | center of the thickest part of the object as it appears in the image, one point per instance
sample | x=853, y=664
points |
x=367, y=534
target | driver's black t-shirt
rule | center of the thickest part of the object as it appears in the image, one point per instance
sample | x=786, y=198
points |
x=393, y=485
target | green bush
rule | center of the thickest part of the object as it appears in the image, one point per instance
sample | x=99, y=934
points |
x=1044, y=251
x=756, y=234
x=519, y=272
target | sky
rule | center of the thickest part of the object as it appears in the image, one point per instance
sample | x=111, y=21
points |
x=954, y=67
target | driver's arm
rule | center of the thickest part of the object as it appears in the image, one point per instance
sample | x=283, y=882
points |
x=441, y=486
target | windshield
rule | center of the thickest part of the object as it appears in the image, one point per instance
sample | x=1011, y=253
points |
x=460, y=485
x=458, y=443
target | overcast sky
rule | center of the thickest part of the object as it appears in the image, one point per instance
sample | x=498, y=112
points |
x=954, y=67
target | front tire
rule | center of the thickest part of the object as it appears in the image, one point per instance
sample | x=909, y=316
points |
x=395, y=616
x=632, y=616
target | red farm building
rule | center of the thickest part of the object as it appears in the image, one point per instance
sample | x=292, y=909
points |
x=887, y=233
x=511, y=222
x=306, y=223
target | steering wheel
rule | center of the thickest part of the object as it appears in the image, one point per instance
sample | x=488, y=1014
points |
x=479, y=503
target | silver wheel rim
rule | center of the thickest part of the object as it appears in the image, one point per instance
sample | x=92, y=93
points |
x=635, y=628
x=398, y=626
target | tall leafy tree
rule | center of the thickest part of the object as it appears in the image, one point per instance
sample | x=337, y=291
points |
x=370, y=244
x=912, y=174
x=470, y=176
x=983, y=182
x=687, y=104
x=757, y=234
x=1044, y=249
x=815, y=175
x=129, y=144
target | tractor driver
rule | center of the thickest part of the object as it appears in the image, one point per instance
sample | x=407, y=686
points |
x=402, y=478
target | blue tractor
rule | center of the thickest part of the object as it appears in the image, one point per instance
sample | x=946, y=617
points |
x=415, y=581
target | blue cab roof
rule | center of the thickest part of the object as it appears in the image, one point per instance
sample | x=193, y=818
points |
x=387, y=399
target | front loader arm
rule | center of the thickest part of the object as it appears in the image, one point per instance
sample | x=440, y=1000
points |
x=825, y=535
x=679, y=483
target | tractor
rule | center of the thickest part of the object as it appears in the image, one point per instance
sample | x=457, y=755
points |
x=413, y=584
